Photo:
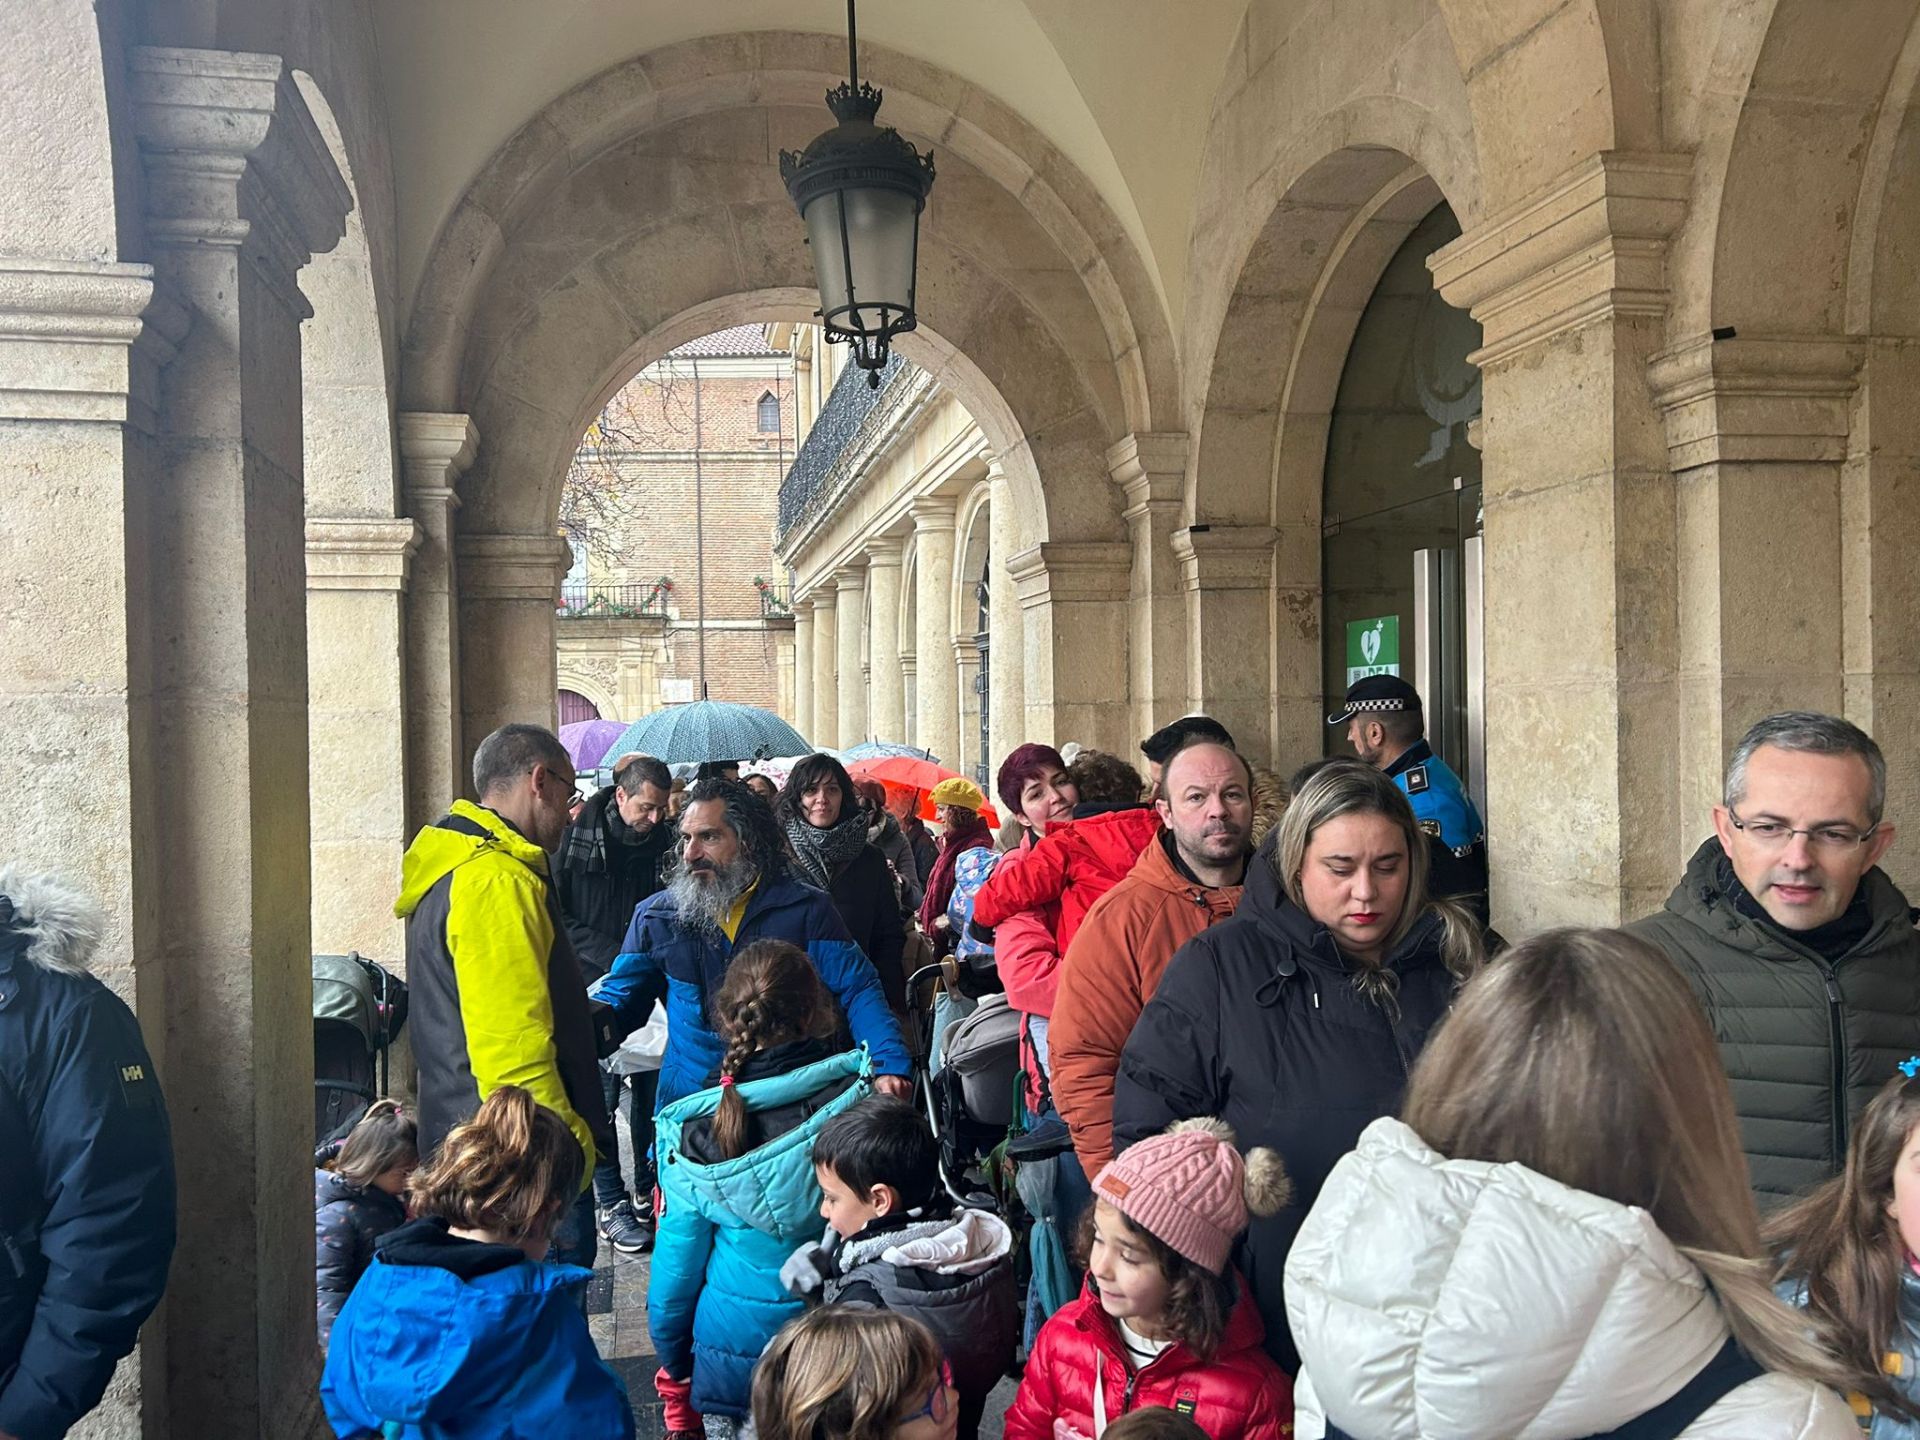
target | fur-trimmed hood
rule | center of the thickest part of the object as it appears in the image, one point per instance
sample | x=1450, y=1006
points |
x=49, y=921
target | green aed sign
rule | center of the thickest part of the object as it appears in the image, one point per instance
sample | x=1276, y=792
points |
x=1373, y=647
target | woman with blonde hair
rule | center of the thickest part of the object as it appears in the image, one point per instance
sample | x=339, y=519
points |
x=1558, y=1239
x=853, y=1374
x=1297, y=1020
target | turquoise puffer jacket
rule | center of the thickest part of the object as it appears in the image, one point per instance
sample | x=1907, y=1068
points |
x=714, y=1297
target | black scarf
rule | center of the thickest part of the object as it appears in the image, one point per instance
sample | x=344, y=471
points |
x=821, y=854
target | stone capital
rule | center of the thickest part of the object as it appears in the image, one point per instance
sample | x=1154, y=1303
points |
x=850, y=579
x=886, y=551
x=1588, y=245
x=1756, y=397
x=234, y=157
x=1072, y=570
x=1150, y=467
x=512, y=567
x=825, y=598
x=932, y=513
x=1225, y=557
x=966, y=649
x=360, y=554
x=435, y=451
x=84, y=340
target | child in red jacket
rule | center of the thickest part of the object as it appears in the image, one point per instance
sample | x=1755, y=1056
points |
x=1164, y=1319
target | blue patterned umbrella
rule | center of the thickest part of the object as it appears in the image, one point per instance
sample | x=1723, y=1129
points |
x=883, y=750
x=710, y=730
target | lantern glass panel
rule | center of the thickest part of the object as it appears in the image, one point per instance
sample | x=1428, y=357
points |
x=879, y=233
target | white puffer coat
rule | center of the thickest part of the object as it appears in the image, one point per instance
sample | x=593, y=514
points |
x=1456, y=1300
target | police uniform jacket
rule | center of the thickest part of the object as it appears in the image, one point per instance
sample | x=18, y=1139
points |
x=1456, y=838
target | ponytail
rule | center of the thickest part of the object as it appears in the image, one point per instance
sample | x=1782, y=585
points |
x=771, y=995
x=512, y=1169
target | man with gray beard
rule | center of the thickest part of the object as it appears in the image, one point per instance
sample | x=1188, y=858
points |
x=728, y=888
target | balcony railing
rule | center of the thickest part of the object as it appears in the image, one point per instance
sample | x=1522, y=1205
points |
x=776, y=600
x=611, y=602
x=852, y=411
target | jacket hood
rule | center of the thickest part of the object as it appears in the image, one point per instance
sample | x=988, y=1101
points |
x=1452, y=1299
x=433, y=1345
x=1245, y=1329
x=47, y=921
x=1156, y=868
x=437, y=852
x=771, y=1188
x=1703, y=901
x=967, y=1242
x=1264, y=904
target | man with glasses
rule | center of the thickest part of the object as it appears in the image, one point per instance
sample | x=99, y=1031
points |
x=1802, y=951
x=497, y=993
x=610, y=860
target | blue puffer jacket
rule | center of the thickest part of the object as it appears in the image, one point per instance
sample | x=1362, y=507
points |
x=451, y=1339
x=1902, y=1361
x=714, y=1297
x=663, y=960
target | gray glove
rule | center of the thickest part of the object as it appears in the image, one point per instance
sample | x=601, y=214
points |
x=807, y=1271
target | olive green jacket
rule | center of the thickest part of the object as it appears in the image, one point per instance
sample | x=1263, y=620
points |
x=1806, y=1042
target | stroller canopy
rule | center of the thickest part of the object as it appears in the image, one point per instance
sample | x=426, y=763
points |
x=343, y=991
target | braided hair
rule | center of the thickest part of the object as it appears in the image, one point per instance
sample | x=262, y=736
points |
x=772, y=995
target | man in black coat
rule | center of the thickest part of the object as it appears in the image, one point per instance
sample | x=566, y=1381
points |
x=87, y=1201
x=610, y=860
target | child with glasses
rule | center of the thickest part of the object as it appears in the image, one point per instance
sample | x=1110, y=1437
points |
x=854, y=1374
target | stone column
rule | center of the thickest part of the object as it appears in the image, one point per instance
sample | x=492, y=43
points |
x=937, y=699
x=910, y=694
x=1006, y=621
x=966, y=670
x=240, y=192
x=1756, y=434
x=1076, y=629
x=825, y=733
x=1227, y=574
x=886, y=696
x=1151, y=471
x=851, y=585
x=509, y=587
x=435, y=451
x=803, y=667
x=357, y=729
x=1570, y=287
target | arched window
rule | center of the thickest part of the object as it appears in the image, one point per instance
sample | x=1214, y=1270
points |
x=769, y=419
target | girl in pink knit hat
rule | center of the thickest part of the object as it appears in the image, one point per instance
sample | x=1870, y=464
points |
x=1164, y=1319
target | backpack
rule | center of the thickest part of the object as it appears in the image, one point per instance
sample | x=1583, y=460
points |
x=972, y=948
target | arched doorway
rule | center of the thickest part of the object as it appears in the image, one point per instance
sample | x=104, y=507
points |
x=575, y=707
x=1401, y=517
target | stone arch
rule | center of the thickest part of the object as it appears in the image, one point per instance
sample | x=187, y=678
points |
x=972, y=520
x=651, y=190
x=590, y=686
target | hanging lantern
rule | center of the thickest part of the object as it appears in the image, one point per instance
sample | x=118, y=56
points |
x=860, y=189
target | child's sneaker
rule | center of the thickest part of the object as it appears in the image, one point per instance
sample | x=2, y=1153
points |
x=622, y=1229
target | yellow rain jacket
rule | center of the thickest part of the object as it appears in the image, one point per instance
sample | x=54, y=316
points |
x=497, y=994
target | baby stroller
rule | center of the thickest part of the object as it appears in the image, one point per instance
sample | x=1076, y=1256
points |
x=970, y=1098
x=358, y=1009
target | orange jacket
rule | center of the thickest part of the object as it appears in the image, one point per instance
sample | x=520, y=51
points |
x=1109, y=973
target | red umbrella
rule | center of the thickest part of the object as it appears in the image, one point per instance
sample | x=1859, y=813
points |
x=906, y=772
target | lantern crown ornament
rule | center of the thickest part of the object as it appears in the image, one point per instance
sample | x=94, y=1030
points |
x=860, y=188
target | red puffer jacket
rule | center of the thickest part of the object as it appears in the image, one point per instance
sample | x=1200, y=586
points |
x=1074, y=864
x=1239, y=1395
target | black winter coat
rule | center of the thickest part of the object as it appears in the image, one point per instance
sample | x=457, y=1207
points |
x=601, y=879
x=1807, y=1041
x=869, y=905
x=347, y=1221
x=1257, y=1021
x=87, y=1201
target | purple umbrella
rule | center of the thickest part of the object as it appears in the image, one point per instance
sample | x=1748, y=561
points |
x=588, y=741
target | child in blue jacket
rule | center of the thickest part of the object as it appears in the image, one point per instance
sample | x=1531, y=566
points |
x=461, y=1327
x=736, y=1176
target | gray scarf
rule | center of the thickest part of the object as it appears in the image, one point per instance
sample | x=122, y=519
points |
x=819, y=854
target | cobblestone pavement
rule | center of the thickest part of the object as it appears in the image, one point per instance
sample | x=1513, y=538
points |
x=617, y=1315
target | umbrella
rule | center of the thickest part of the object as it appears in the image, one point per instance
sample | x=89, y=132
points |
x=711, y=730
x=883, y=750
x=590, y=741
x=903, y=772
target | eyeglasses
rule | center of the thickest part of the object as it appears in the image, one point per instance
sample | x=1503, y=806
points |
x=1772, y=835
x=936, y=1407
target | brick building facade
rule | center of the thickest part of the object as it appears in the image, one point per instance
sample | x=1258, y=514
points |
x=696, y=444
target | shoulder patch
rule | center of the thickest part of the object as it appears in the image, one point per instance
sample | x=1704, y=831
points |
x=1431, y=827
x=136, y=1085
x=1416, y=779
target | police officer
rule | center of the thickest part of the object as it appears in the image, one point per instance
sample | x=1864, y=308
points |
x=1387, y=728
x=87, y=1200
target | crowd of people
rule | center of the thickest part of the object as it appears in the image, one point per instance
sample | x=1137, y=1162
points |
x=1332, y=1158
